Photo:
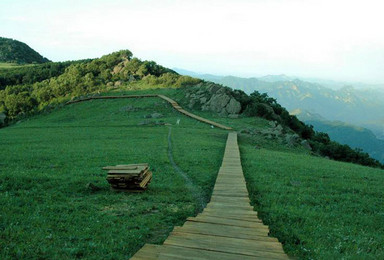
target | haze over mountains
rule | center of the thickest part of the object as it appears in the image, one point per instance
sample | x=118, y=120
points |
x=322, y=104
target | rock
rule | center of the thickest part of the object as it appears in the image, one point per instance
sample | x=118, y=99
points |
x=157, y=115
x=200, y=92
x=118, y=83
x=277, y=131
x=213, y=89
x=292, y=140
x=203, y=100
x=2, y=118
x=92, y=187
x=218, y=102
x=306, y=145
x=223, y=113
x=192, y=103
x=221, y=91
x=279, y=128
x=272, y=123
x=145, y=122
x=233, y=106
x=131, y=78
x=245, y=131
x=233, y=115
x=127, y=108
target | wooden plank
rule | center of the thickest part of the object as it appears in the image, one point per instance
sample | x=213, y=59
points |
x=169, y=252
x=228, y=228
x=245, y=217
x=148, y=251
x=223, y=199
x=230, y=194
x=229, y=222
x=226, y=231
x=120, y=168
x=233, y=205
x=127, y=172
x=147, y=179
x=134, y=164
x=271, y=250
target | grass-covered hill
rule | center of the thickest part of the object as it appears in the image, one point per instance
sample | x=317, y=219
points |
x=56, y=203
x=122, y=71
x=13, y=51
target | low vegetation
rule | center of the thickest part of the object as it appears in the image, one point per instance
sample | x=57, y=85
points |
x=83, y=78
x=14, y=74
x=49, y=210
x=318, y=209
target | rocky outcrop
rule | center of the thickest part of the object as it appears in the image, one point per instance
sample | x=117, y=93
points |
x=214, y=98
x=277, y=132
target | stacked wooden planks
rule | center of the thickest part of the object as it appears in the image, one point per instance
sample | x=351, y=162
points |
x=129, y=177
x=228, y=228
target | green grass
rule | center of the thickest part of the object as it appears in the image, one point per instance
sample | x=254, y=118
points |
x=319, y=209
x=4, y=65
x=47, y=161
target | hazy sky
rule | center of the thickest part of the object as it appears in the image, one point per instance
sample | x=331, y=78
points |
x=341, y=40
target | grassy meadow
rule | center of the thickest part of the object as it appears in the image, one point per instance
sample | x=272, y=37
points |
x=5, y=65
x=49, y=212
x=318, y=208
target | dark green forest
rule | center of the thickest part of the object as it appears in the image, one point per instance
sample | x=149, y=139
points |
x=12, y=51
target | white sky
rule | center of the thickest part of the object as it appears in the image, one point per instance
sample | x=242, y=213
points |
x=333, y=39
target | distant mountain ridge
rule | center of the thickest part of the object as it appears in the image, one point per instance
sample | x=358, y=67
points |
x=321, y=106
x=363, y=106
x=12, y=51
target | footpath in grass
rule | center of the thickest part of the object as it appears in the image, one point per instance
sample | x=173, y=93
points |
x=318, y=208
x=49, y=212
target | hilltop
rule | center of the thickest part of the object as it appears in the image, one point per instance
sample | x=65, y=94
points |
x=13, y=51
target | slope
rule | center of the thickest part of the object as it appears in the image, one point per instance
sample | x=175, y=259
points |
x=12, y=51
x=50, y=211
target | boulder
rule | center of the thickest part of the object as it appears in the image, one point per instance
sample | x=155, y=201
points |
x=292, y=140
x=272, y=123
x=233, y=106
x=157, y=115
x=306, y=145
x=3, y=116
x=218, y=102
x=213, y=89
x=203, y=100
x=128, y=108
x=233, y=115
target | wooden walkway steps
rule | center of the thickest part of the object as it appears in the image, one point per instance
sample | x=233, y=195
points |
x=228, y=228
x=174, y=104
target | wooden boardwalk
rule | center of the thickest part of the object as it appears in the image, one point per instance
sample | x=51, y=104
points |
x=174, y=104
x=228, y=228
